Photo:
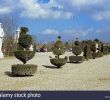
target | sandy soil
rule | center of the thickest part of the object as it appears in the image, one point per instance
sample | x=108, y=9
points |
x=89, y=75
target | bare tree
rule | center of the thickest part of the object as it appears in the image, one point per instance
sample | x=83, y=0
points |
x=9, y=28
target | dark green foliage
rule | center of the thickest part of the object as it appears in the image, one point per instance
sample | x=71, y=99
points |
x=58, y=62
x=19, y=47
x=109, y=49
x=59, y=44
x=99, y=54
x=24, y=30
x=87, y=52
x=96, y=40
x=77, y=50
x=24, y=56
x=77, y=43
x=76, y=58
x=24, y=70
x=58, y=50
x=25, y=41
x=104, y=49
x=93, y=49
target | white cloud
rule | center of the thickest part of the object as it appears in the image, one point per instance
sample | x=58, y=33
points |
x=33, y=9
x=4, y=10
x=50, y=32
x=102, y=15
x=70, y=32
x=96, y=9
x=55, y=9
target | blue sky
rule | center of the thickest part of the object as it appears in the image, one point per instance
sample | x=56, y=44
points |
x=46, y=19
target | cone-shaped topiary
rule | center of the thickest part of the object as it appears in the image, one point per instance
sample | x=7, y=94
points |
x=58, y=50
x=76, y=50
x=23, y=53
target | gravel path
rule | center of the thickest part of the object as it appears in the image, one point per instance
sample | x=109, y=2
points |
x=89, y=75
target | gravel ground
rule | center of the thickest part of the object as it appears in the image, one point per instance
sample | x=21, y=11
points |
x=89, y=75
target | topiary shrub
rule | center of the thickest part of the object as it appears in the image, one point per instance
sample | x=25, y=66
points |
x=25, y=40
x=24, y=56
x=76, y=50
x=58, y=50
x=109, y=48
x=58, y=62
x=87, y=52
x=93, y=49
x=99, y=54
x=23, y=53
x=24, y=70
x=105, y=50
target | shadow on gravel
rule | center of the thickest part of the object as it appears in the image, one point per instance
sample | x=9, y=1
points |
x=51, y=67
x=8, y=73
x=74, y=62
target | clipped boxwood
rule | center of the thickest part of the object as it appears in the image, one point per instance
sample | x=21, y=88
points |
x=23, y=53
x=58, y=62
x=58, y=50
x=77, y=50
x=24, y=70
x=24, y=56
x=25, y=40
x=76, y=59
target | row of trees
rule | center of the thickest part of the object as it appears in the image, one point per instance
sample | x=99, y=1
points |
x=68, y=45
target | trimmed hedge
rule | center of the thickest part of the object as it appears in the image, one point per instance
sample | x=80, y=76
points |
x=24, y=70
x=24, y=56
x=76, y=58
